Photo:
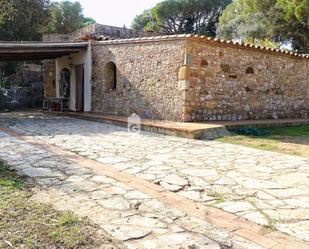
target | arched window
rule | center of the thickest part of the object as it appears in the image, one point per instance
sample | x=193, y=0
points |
x=249, y=70
x=110, y=76
x=64, y=83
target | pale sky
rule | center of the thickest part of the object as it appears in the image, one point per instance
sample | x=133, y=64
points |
x=115, y=12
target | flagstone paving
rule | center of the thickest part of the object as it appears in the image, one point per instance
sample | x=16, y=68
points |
x=133, y=218
x=268, y=188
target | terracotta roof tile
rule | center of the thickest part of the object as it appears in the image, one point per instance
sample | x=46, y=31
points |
x=201, y=38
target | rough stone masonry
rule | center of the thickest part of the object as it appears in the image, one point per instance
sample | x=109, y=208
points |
x=195, y=78
x=228, y=82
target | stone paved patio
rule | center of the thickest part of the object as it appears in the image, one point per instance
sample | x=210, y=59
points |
x=268, y=188
x=128, y=215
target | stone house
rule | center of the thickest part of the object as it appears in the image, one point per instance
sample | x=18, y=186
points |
x=179, y=77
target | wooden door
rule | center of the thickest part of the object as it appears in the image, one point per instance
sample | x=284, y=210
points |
x=79, y=77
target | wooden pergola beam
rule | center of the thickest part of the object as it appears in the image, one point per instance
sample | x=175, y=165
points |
x=38, y=51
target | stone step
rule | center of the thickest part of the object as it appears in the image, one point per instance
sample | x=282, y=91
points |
x=186, y=130
x=209, y=130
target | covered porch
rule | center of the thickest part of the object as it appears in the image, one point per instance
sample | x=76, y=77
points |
x=66, y=72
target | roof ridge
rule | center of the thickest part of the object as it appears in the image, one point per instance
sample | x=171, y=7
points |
x=206, y=38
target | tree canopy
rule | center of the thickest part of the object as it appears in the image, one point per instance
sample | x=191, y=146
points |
x=67, y=17
x=273, y=21
x=283, y=21
x=23, y=20
x=29, y=19
x=182, y=16
x=298, y=9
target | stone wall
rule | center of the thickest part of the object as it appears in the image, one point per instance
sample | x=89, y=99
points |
x=99, y=29
x=188, y=79
x=120, y=33
x=22, y=89
x=146, y=79
x=23, y=74
x=22, y=97
x=49, y=78
x=56, y=37
x=108, y=31
x=228, y=82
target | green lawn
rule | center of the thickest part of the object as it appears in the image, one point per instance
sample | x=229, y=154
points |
x=292, y=131
x=27, y=224
x=292, y=140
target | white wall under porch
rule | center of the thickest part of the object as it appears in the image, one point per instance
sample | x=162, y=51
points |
x=69, y=62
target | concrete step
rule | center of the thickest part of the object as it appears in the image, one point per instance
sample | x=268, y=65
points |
x=179, y=129
x=202, y=130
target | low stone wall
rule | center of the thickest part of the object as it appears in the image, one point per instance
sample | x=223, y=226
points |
x=108, y=31
x=56, y=37
x=226, y=82
x=120, y=33
x=22, y=97
x=146, y=79
x=100, y=29
x=76, y=35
